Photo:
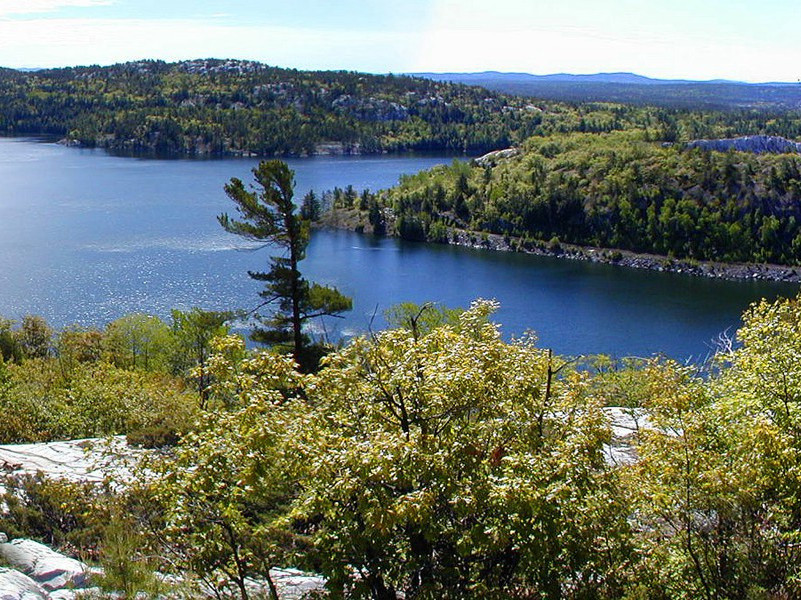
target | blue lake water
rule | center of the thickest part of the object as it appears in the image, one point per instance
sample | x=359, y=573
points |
x=86, y=237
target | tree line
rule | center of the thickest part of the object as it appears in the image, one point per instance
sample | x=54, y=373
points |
x=237, y=107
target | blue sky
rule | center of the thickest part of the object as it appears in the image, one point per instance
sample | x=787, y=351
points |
x=698, y=39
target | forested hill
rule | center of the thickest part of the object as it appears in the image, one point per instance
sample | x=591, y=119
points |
x=226, y=107
x=229, y=107
x=615, y=190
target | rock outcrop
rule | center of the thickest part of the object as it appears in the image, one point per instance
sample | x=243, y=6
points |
x=37, y=572
x=72, y=460
x=757, y=144
x=17, y=586
x=492, y=158
x=49, y=569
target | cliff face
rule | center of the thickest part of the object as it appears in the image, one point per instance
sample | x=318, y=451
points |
x=757, y=144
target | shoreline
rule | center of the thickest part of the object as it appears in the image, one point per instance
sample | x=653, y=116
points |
x=610, y=256
x=633, y=260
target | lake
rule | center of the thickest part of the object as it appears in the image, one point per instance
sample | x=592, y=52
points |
x=86, y=237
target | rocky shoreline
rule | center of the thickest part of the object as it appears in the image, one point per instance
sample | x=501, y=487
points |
x=354, y=220
x=625, y=258
x=34, y=571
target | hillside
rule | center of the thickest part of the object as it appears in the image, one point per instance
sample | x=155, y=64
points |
x=226, y=107
x=427, y=460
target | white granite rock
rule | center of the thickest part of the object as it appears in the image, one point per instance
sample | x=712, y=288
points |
x=625, y=425
x=76, y=594
x=50, y=569
x=291, y=584
x=17, y=586
x=89, y=460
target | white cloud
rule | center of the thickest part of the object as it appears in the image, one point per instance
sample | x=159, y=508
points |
x=26, y=7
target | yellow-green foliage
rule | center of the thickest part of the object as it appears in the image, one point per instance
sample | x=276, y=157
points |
x=436, y=459
x=97, y=399
x=439, y=461
x=719, y=482
x=223, y=493
x=139, y=376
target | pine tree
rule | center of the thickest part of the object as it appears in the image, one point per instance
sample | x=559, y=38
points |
x=267, y=214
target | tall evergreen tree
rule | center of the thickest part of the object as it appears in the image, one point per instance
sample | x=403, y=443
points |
x=267, y=214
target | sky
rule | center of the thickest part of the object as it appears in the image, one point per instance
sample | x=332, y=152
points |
x=745, y=40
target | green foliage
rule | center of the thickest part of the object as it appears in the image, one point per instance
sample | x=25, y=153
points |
x=311, y=207
x=216, y=107
x=226, y=488
x=614, y=190
x=10, y=348
x=139, y=341
x=76, y=345
x=436, y=460
x=98, y=399
x=126, y=570
x=35, y=337
x=193, y=332
x=443, y=463
x=376, y=217
x=62, y=514
x=718, y=480
x=70, y=388
x=421, y=319
x=619, y=382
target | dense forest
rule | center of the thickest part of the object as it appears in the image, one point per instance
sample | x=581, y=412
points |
x=617, y=190
x=216, y=107
x=433, y=459
x=226, y=107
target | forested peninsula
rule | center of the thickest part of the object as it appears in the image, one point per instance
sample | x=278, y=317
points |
x=620, y=191
x=577, y=176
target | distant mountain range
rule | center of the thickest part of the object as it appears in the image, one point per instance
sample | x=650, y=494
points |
x=633, y=88
x=501, y=77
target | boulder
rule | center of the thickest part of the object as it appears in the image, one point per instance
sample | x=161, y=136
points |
x=16, y=586
x=291, y=584
x=294, y=584
x=50, y=569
